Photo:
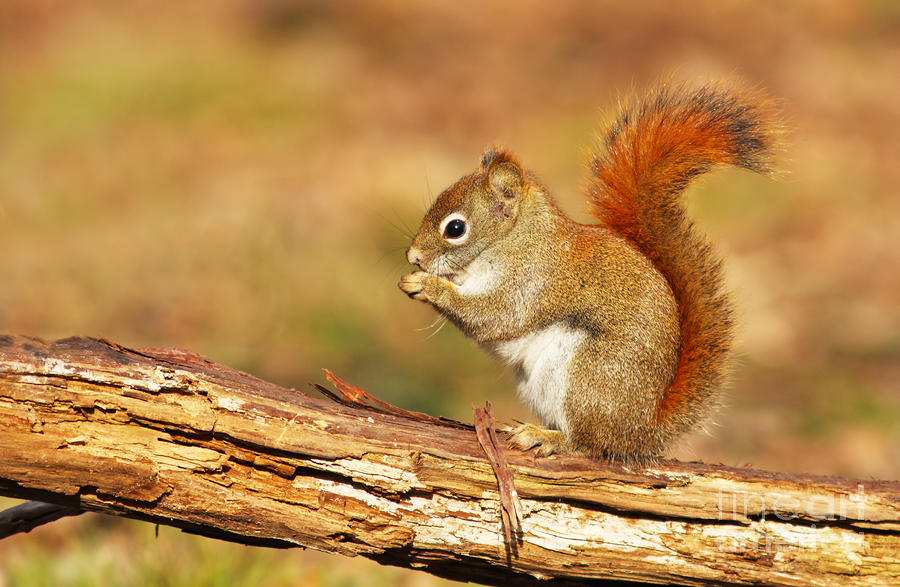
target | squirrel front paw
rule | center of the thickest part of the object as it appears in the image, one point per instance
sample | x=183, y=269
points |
x=413, y=285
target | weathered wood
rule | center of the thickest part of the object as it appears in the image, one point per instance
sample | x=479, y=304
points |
x=169, y=437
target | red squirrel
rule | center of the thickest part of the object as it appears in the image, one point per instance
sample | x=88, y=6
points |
x=619, y=332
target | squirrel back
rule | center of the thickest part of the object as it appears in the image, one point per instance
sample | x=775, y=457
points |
x=653, y=150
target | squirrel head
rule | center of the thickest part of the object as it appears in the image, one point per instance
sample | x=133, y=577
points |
x=470, y=216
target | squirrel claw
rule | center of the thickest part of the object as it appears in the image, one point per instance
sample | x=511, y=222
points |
x=528, y=436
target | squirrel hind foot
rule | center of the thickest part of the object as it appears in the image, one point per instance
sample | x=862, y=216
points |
x=547, y=441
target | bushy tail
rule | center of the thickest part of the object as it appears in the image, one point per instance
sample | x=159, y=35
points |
x=653, y=151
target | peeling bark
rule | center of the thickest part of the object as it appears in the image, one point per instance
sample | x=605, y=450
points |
x=169, y=437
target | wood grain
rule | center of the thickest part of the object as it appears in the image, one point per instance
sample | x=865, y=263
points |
x=170, y=437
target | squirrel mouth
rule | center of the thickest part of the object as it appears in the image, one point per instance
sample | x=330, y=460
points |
x=439, y=269
x=452, y=277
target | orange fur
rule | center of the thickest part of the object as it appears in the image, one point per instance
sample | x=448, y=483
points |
x=653, y=151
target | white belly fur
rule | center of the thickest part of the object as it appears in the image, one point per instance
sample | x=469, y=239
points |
x=543, y=359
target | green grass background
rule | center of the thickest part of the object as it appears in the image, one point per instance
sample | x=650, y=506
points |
x=241, y=179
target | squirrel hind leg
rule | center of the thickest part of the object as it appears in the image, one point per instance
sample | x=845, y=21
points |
x=547, y=441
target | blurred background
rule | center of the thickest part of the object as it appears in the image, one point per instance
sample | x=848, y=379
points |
x=241, y=179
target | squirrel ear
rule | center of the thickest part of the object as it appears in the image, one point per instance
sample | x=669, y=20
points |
x=502, y=172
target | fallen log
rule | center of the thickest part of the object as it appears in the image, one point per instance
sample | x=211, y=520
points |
x=169, y=437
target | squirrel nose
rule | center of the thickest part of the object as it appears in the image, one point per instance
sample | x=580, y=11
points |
x=414, y=256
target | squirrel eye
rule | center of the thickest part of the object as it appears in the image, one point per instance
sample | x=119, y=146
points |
x=455, y=229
